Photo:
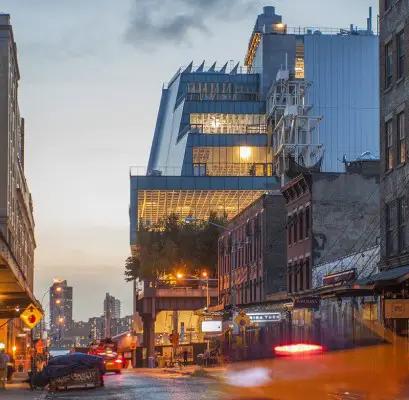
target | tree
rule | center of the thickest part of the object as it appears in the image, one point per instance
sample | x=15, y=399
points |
x=132, y=268
x=172, y=245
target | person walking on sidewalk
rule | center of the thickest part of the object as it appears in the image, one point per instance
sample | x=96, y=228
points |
x=4, y=360
x=10, y=369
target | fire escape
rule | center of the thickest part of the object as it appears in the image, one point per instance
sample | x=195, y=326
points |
x=294, y=134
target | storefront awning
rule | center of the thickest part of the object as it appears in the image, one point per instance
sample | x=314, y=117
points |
x=388, y=277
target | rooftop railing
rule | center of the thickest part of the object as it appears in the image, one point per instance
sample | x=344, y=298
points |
x=310, y=30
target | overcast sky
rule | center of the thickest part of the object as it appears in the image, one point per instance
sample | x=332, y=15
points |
x=91, y=79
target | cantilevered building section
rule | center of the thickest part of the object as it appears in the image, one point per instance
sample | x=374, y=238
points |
x=210, y=148
x=341, y=64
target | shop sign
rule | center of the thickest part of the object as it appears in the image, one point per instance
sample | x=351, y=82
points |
x=307, y=302
x=211, y=326
x=344, y=276
x=264, y=317
x=396, y=308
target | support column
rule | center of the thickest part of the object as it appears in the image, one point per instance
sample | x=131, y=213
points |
x=175, y=321
x=149, y=335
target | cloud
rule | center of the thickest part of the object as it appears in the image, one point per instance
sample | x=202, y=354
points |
x=175, y=20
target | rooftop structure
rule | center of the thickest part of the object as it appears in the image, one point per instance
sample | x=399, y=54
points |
x=341, y=64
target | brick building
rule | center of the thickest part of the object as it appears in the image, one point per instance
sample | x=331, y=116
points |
x=259, y=252
x=394, y=45
x=328, y=215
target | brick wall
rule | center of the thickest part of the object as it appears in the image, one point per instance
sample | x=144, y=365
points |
x=395, y=181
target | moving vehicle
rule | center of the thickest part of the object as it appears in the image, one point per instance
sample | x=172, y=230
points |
x=107, y=349
x=312, y=372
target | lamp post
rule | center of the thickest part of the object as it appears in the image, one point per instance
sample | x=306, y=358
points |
x=205, y=275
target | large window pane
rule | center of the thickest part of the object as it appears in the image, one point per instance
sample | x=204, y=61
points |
x=234, y=161
x=401, y=138
x=389, y=143
x=388, y=65
x=228, y=123
x=400, y=40
x=402, y=205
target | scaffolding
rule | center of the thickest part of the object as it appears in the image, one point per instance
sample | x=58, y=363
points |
x=294, y=134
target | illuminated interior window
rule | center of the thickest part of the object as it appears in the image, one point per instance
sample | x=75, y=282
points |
x=229, y=123
x=232, y=161
x=154, y=205
x=299, y=61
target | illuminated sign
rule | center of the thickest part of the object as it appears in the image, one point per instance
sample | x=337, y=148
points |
x=211, y=326
x=397, y=308
x=261, y=317
x=308, y=302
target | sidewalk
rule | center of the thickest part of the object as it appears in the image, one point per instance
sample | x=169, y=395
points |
x=216, y=372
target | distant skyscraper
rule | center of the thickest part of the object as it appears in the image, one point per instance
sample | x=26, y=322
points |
x=112, y=313
x=96, y=327
x=125, y=324
x=60, y=309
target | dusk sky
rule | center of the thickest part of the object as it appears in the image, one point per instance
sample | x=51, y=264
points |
x=91, y=79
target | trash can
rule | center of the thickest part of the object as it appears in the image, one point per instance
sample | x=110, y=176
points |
x=161, y=362
x=151, y=362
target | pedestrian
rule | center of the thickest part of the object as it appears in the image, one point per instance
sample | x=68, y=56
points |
x=4, y=359
x=185, y=355
x=10, y=369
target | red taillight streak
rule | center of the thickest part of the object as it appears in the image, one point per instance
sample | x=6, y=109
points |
x=298, y=348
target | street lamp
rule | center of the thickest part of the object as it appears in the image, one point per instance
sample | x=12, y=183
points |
x=205, y=276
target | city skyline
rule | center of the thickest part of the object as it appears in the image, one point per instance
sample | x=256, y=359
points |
x=114, y=122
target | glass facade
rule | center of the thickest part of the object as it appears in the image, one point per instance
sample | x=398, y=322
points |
x=209, y=152
x=232, y=161
x=228, y=123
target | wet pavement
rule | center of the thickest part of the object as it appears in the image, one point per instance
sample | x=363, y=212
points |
x=131, y=385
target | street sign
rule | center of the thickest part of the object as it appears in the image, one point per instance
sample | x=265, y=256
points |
x=242, y=320
x=212, y=326
x=132, y=346
x=31, y=316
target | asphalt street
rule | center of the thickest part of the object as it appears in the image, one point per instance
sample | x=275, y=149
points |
x=131, y=385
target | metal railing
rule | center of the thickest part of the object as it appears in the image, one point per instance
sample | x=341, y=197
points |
x=254, y=169
x=310, y=30
x=222, y=97
x=149, y=286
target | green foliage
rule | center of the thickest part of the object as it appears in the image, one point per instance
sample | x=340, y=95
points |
x=173, y=246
